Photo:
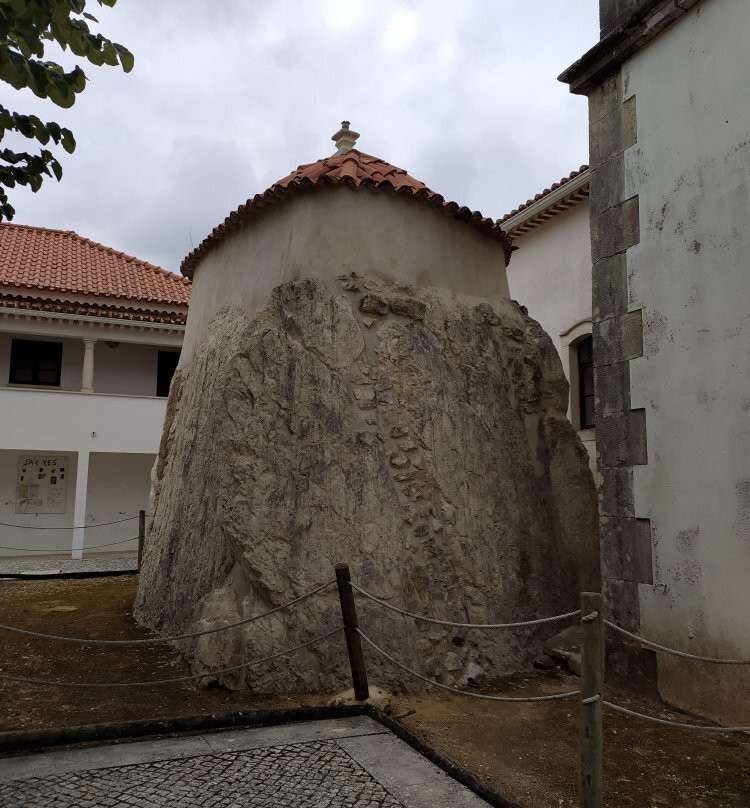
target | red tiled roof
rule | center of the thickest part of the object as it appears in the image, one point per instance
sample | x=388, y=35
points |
x=355, y=169
x=545, y=192
x=63, y=261
x=561, y=204
x=137, y=314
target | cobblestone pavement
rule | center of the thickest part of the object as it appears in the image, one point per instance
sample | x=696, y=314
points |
x=309, y=775
x=347, y=763
x=113, y=563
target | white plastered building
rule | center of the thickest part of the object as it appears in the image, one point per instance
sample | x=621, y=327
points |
x=669, y=139
x=89, y=338
x=550, y=274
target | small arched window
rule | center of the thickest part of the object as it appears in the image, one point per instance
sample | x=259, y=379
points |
x=585, y=355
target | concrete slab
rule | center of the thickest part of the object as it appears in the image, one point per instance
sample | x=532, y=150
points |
x=352, y=762
x=29, y=565
x=416, y=781
x=302, y=732
x=47, y=764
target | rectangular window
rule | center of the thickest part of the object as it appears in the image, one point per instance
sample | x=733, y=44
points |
x=166, y=366
x=585, y=351
x=35, y=362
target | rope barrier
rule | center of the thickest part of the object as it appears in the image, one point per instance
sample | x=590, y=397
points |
x=677, y=724
x=69, y=527
x=434, y=620
x=89, y=547
x=174, y=637
x=252, y=663
x=666, y=650
x=485, y=697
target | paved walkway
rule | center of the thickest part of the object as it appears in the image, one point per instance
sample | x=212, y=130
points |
x=346, y=763
x=48, y=566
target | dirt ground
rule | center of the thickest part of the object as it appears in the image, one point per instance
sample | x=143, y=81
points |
x=527, y=752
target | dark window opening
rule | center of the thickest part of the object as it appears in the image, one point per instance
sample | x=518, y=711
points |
x=166, y=366
x=35, y=362
x=585, y=353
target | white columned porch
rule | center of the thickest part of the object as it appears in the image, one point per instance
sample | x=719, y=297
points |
x=79, y=511
x=87, y=377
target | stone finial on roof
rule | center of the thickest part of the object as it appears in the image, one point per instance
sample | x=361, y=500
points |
x=344, y=139
x=358, y=170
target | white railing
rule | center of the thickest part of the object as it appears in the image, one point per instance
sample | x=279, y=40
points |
x=47, y=421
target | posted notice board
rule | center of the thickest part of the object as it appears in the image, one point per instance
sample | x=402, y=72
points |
x=42, y=483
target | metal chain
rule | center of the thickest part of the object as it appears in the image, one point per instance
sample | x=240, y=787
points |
x=434, y=620
x=667, y=723
x=49, y=551
x=174, y=637
x=432, y=683
x=72, y=527
x=48, y=683
x=684, y=654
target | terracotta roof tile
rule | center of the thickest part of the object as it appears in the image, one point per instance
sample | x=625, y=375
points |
x=139, y=314
x=545, y=192
x=63, y=261
x=357, y=170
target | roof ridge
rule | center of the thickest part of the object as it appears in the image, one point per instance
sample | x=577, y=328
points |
x=37, y=227
x=352, y=168
x=36, y=258
x=555, y=185
x=100, y=246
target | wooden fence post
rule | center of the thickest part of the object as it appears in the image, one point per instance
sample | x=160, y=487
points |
x=353, y=643
x=590, y=775
x=141, y=535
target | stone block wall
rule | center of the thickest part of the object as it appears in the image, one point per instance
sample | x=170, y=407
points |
x=618, y=338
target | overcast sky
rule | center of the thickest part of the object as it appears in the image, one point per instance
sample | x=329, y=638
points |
x=228, y=96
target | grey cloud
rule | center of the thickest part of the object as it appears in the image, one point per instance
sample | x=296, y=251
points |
x=228, y=97
x=198, y=185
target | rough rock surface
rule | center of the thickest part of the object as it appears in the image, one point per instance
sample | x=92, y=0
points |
x=416, y=435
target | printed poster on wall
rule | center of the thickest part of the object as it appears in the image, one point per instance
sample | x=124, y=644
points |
x=42, y=483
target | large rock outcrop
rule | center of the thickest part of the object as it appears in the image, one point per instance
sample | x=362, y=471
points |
x=415, y=434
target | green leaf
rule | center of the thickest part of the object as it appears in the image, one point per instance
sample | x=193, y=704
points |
x=55, y=131
x=61, y=93
x=25, y=127
x=26, y=51
x=78, y=80
x=79, y=43
x=110, y=54
x=127, y=60
x=7, y=211
x=96, y=57
x=14, y=69
x=26, y=26
x=68, y=141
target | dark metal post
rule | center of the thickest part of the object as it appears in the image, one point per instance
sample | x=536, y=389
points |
x=353, y=643
x=591, y=744
x=141, y=535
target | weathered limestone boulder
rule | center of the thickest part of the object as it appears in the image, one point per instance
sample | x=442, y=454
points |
x=418, y=435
